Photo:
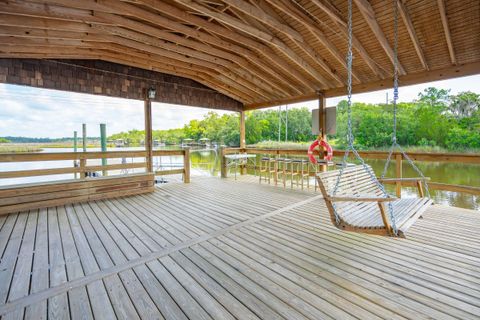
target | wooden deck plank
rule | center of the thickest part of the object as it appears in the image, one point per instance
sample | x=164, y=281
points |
x=233, y=249
x=21, y=278
x=40, y=268
x=119, y=298
x=99, y=301
x=120, y=251
x=412, y=261
x=10, y=255
x=257, y=285
x=237, y=309
x=57, y=305
x=413, y=278
x=234, y=288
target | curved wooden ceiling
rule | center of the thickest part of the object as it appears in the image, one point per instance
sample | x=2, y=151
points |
x=259, y=52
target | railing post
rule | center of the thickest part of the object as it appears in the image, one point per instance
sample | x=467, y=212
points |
x=186, y=165
x=223, y=163
x=83, y=164
x=103, y=144
x=398, y=166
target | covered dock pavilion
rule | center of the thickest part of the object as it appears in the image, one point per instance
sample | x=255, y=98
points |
x=121, y=247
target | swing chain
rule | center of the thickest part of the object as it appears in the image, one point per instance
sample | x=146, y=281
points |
x=350, y=137
x=395, y=109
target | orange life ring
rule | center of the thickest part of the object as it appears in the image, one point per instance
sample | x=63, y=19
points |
x=322, y=143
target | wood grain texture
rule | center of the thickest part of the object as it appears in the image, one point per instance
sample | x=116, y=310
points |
x=233, y=54
x=216, y=248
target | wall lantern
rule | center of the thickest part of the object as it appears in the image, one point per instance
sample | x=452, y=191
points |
x=151, y=93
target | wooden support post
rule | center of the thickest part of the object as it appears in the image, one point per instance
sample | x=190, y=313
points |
x=103, y=144
x=398, y=167
x=83, y=164
x=84, y=137
x=242, y=130
x=243, y=167
x=223, y=163
x=148, y=134
x=186, y=165
x=322, y=120
x=75, y=140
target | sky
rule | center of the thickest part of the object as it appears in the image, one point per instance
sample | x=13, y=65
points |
x=33, y=112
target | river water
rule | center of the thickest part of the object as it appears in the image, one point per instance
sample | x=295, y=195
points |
x=206, y=162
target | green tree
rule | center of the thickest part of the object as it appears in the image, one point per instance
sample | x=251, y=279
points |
x=4, y=140
x=434, y=97
x=464, y=104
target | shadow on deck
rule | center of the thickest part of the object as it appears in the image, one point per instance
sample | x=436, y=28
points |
x=229, y=249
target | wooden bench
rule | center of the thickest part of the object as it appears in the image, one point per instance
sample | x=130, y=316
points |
x=362, y=206
x=47, y=194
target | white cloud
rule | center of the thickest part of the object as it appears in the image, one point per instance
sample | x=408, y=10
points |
x=33, y=112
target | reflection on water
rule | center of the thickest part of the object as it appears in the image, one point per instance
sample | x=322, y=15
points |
x=206, y=162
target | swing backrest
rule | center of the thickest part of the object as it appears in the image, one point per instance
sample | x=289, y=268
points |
x=354, y=181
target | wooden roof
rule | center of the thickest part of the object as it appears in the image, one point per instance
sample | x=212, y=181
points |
x=259, y=52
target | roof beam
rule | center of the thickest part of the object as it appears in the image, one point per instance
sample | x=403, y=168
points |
x=235, y=81
x=243, y=77
x=44, y=9
x=369, y=15
x=411, y=31
x=248, y=64
x=310, y=25
x=335, y=16
x=265, y=8
x=30, y=22
x=265, y=18
x=111, y=8
x=263, y=50
x=460, y=70
x=258, y=34
x=446, y=29
x=53, y=48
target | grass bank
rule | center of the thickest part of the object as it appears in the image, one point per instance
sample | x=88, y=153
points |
x=6, y=148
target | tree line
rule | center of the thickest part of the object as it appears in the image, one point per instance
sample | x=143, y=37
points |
x=435, y=119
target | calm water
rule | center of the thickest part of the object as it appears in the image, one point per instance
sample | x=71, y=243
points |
x=206, y=162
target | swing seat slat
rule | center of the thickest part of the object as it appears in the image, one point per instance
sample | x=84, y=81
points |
x=361, y=204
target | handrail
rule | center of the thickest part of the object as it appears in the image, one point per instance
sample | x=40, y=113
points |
x=82, y=158
x=471, y=158
x=418, y=156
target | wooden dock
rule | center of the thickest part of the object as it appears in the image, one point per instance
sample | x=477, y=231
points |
x=224, y=249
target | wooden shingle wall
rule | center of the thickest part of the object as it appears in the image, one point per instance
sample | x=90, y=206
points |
x=110, y=79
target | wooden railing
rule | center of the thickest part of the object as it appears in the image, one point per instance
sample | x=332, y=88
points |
x=398, y=157
x=80, y=167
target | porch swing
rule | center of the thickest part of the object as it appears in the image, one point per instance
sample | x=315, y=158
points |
x=356, y=200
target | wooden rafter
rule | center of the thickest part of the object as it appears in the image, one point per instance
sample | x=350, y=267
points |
x=446, y=30
x=369, y=15
x=411, y=31
x=259, y=52
x=265, y=8
x=310, y=25
x=140, y=31
x=200, y=36
x=335, y=16
x=261, y=49
x=260, y=35
x=256, y=86
x=409, y=79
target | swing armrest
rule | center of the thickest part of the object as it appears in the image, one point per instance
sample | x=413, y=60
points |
x=362, y=198
x=416, y=179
